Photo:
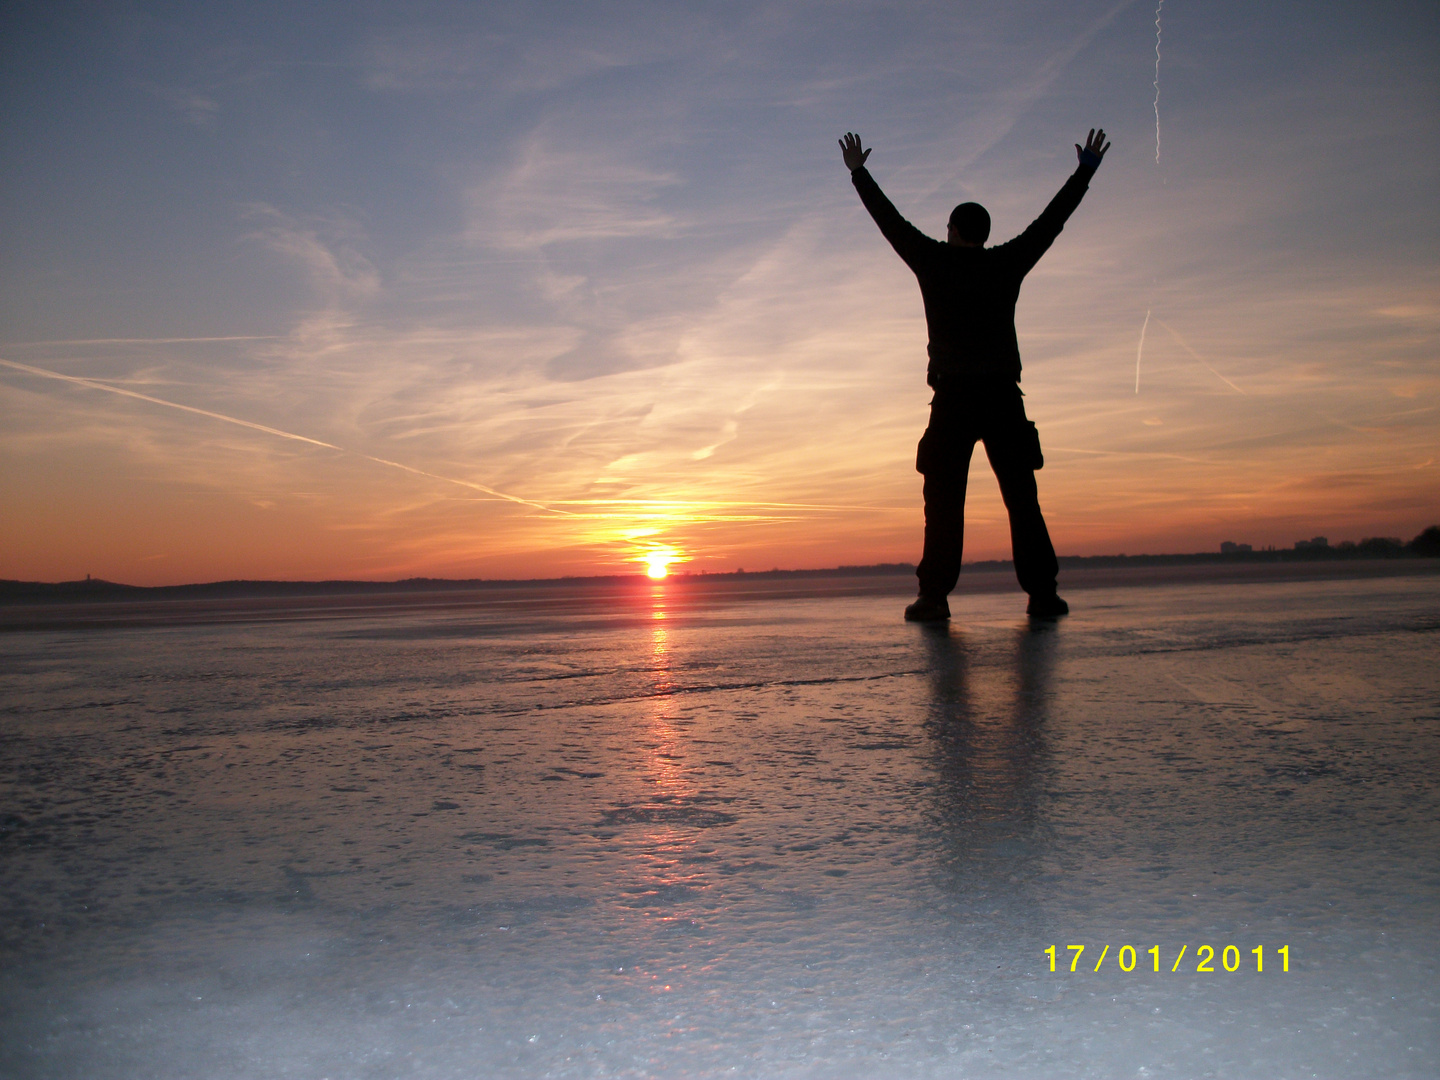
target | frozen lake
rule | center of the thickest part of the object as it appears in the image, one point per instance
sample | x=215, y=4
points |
x=741, y=830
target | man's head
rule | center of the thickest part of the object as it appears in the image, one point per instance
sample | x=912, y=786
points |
x=969, y=225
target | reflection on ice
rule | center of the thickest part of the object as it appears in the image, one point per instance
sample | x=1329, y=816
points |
x=988, y=725
x=728, y=833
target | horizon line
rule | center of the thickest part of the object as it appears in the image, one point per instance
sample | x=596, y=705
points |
x=1354, y=550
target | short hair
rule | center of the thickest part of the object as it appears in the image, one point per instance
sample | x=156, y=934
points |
x=972, y=222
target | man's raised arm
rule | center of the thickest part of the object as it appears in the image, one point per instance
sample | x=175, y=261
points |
x=907, y=240
x=1036, y=239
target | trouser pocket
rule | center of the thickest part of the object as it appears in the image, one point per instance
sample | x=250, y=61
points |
x=925, y=452
x=1034, y=458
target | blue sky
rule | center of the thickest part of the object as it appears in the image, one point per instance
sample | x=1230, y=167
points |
x=604, y=259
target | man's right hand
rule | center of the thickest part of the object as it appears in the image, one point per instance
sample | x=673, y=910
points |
x=851, y=152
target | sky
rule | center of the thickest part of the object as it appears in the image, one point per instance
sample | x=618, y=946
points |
x=371, y=290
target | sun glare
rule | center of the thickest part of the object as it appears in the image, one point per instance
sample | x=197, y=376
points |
x=657, y=564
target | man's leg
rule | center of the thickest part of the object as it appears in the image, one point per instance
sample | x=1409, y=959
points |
x=945, y=480
x=1035, y=562
x=1014, y=455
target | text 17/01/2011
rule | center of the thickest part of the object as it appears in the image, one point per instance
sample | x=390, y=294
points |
x=1127, y=959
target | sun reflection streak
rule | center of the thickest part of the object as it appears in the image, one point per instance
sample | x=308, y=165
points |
x=666, y=739
x=662, y=854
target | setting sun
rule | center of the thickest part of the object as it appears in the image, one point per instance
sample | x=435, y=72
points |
x=657, y=563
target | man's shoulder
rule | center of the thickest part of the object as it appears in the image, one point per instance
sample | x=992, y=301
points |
x=1002, y=257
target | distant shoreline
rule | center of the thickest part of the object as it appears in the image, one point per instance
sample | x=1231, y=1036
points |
x=569, y=602
x=98, y=590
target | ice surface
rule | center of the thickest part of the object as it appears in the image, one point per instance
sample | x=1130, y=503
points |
x=690, y=832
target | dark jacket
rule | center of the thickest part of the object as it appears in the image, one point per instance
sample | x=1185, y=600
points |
x=970, y=293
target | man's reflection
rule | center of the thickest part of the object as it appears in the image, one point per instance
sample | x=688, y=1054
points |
x=987, y=725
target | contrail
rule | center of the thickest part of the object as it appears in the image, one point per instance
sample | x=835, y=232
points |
x=640, y=506
x=1140, y=349
x=1158, y=6
x=634, y=506
x=1129, y=454
x=1205, y=363
x=95, y=385
x=146, y=341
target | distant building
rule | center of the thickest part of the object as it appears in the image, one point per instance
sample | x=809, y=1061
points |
x=1229, y=547
x=1318, y=543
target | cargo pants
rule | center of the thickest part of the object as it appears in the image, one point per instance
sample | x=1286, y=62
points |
x=959, y=418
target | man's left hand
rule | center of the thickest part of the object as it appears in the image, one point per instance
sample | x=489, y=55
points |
x=1095, y=147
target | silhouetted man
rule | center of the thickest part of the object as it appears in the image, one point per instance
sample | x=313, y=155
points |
x=970, y=292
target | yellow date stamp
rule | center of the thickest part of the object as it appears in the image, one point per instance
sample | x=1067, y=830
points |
x=1127, y=959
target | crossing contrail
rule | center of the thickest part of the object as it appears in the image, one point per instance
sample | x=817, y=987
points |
x=1203, y=362
x=93, y=384
x=1139, y=349
x=1158, y=6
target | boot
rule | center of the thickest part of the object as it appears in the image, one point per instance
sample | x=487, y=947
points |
x=1046, y=606
x=928, y=609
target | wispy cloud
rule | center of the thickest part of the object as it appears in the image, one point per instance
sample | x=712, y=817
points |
x=325, y=249
x=544, y=51
x=556, y=194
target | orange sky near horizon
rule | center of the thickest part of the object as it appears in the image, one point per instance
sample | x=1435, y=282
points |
x=376, y=308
